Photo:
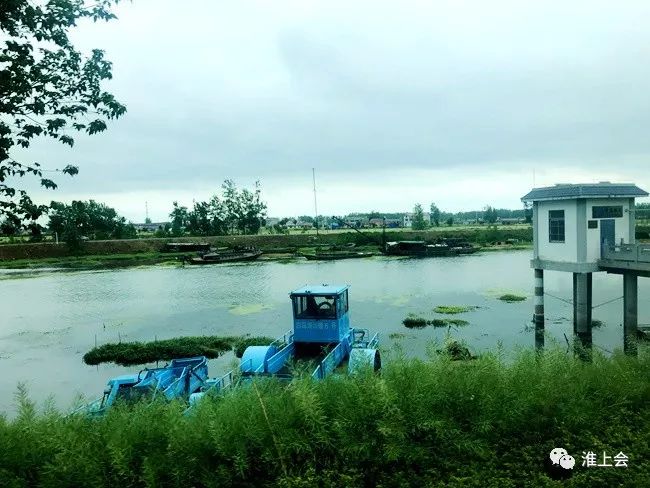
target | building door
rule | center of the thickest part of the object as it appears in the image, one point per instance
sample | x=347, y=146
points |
x=607, y=233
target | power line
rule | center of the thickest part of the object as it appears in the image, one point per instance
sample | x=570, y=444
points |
x=605, y=303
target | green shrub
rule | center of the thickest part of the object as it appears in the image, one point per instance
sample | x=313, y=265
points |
x=481, y=423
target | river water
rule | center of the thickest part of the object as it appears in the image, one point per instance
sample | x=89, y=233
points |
x=50, y=320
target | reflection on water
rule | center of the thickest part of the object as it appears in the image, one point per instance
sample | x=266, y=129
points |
x=48, y=322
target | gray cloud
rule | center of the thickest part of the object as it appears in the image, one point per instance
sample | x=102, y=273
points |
x=250, y=91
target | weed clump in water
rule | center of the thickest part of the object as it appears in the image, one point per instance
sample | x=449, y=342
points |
x=454, y=309
x=132, y=353
x=456, y=351
x=413, y=321
x=511, y=297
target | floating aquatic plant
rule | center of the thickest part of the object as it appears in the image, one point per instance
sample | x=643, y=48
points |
x=454, y=309
x=511, y=297
x=415, y=321
x=132, y=353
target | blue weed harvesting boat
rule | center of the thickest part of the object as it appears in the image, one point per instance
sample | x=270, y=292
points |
x=179, y=379
x=321, y=339
x=321, y=336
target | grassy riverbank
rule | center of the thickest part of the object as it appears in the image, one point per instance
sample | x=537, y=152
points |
x=94, y=261
x=481, y=423
x=103, y=256
x=265, y=242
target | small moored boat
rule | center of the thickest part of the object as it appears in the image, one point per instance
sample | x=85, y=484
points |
x=226, y=257
x=331, y=256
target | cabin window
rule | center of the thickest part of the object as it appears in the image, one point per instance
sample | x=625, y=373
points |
x=592, y=224
x=556, y=225
x=607, y=212
x=314, y=307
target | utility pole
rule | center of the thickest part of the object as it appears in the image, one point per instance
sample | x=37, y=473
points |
x=313, y=173
x=146, y=211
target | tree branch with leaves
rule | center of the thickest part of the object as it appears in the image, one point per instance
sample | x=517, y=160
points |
x=47, y=89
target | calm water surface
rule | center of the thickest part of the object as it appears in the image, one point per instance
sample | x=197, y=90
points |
x=48, y=322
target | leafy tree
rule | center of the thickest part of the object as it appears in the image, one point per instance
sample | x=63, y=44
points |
x=231, y=205
x=418, y=222
x=235, y=211
x=8, y=228
x=198, y=220
x=528, y=212
x=179, y=220
x=147, y=220
x=253, y=210
x=450, y=221
x=86, y=220
x=435, y=214
x=490, y=215
x=47, y=88
x=163, y=231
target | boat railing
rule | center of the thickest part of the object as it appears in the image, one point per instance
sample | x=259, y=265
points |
x=334, y=358
x=286, y=338
x=360, y=338
x=278, y=360
x=247, y=366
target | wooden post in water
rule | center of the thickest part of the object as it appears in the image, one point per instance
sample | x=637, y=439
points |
x=630, y=313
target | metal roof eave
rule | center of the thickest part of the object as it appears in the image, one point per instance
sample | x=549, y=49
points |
x=579, y=197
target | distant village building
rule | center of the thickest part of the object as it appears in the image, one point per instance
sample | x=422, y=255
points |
x=271, y=221
x=151, y=227
x=510, y=221
x=408, y=219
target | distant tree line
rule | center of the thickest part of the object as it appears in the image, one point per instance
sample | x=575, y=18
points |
x=235, y=211
x=87, y=220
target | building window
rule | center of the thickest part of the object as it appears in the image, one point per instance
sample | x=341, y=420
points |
x=556, y=226
x=592, y=224
x=607, y=212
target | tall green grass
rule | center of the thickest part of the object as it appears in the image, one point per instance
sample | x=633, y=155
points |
x=482, y=423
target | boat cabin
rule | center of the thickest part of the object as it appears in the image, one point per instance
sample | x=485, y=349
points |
x=320, y=313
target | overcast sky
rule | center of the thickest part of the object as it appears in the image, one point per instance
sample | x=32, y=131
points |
x=464, y=103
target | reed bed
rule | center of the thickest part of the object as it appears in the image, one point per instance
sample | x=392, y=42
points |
x=482, y=423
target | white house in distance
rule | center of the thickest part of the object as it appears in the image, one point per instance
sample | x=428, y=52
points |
x=571, y=223
x=575, y=226
x=408, y=219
